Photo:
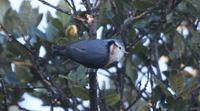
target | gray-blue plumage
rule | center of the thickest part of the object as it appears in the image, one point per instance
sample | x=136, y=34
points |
x=90, y=53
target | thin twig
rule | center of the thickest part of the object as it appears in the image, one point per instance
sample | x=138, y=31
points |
x=48, y=84
x=155, y=53
x=73, y=7
x=131, y=19
x=58, y=9
x=62, y=11
x=11, y=38
x=87, y=5
x=69, y=4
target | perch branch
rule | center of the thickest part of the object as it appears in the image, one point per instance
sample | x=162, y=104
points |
x=93, y=90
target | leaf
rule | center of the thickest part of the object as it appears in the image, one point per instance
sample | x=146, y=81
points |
x=195, y=41
x=112, y=99
x=193, y=5
x=80, y=92
x=106, y=13
x=51, y=32
x=140, y=105
x=30, y=16
x=64, y=18
x=4, y=6
x=23, y=23
x=156, y=96
x=13, y=23
x=179, y=46
x=176, y=81
x=142, y=5
x=162, y=86
x=79, y=74
x=13, y=50
x=56, y=23
x=61, y=40
x=39, y=33
x=140, y=24
x=141, y=51
x=176, y=104
x=130, y=70
x=11, y=78
x=23, y=73
x=131, y=35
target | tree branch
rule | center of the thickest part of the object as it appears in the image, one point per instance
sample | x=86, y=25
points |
x=73, y=6
x=34, y=68
x=52, y=6
x=87, y=5
x=5, y=98
x=69, y=4
x=131, y=20
x=93, y=90
x=62, y=11
x=11, y=38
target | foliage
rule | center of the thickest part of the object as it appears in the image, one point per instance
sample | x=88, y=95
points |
x=150, y=29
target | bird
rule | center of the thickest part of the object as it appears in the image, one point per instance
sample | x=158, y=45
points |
x=93, y=53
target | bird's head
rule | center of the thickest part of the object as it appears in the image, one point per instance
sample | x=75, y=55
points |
x=116, y=51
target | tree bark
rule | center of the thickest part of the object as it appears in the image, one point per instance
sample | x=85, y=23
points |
x=93, y=90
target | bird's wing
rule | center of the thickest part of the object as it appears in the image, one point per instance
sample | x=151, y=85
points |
x=89, y=52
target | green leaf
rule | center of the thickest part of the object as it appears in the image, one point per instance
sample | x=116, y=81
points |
x=157, y=93
x=140, y=105
x=80, y=92
x=141, y=52
x=179, y=46
x=51, y=32
x=142, y=5
x=193, y=5
x=130, y=70
x=61, y=40
x=78, y=75
x=64, y=18
x=162, y=86
x=11, y=78
x=131, y=35
x=106, y=13
x=141, y=23
x=112, y=99
x=23, y=73
x=13, y=23
x=30, y=16
x=13, y=50
x=176, y=81
x=4, y=6
x=56, y=22
x=23, y=23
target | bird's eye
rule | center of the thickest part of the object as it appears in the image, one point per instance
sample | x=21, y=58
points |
x=120, y=48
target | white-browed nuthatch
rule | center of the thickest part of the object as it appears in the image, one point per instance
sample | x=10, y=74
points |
x=92, y=53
